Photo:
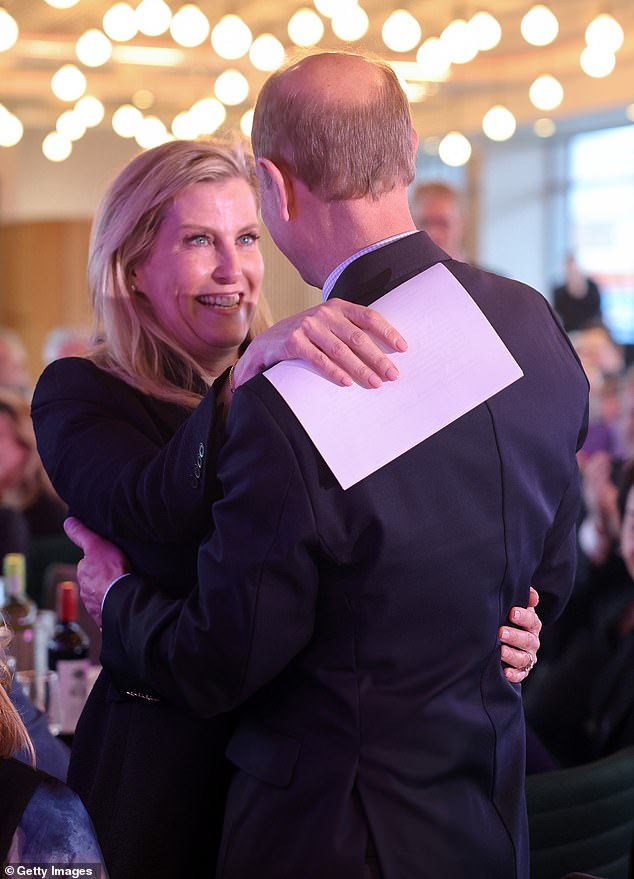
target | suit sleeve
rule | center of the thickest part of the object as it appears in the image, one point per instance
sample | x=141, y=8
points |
x=253, y=609
x=120, y=479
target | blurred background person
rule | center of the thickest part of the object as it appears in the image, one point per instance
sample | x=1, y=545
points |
x=14, y=373
x=577, y=300
x=41, y=820
x=438, y=210
x=24, y=485
x=65, y=342
x=583, y=723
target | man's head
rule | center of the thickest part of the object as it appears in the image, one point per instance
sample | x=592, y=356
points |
x=339, y=123
x=437, y=210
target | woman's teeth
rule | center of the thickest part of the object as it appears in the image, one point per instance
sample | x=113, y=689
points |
x=230, y=300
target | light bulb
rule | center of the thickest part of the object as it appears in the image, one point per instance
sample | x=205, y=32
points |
x=605, y=31
x=486, y=30
x=69, y=83
x=93, y=48
x=70, y=126
x=539, y=26
x=190, y=26
x=151, y=133
x=9, y=30
x=546, y=93
x=596, y=61
x=454, y=149
x=208, y=114
x=433, y=60
x=350, y=23
x=153, y=17
x=56, y=148
x=305, y=28
x=11, y=129
x=90, y=110
x=120, y=22
x=246, y=123
x=401, y=32
x=544, y=127
x=499, y=123
x=231, y=37
x=266, y=53
x=126, y=119
x=459, y=42
x=231, y=87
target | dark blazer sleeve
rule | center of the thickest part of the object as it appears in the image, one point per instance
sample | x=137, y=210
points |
x=254, y=607
x=110, y=462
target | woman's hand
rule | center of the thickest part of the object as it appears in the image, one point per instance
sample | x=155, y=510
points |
x=344, y=341
x=520, y=642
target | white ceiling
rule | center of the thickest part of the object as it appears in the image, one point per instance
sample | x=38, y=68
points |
x=503, y=75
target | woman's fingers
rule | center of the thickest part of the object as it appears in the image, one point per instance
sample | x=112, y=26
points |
x=343, y=341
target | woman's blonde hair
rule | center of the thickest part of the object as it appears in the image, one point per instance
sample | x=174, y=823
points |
x=133, y=345
x=33, y=480
x=13, y=734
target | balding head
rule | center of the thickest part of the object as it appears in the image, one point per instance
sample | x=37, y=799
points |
x=338, y=122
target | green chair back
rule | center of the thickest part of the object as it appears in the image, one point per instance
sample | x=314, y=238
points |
x=582, y=818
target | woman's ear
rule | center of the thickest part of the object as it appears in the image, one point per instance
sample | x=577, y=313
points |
x=277, y=186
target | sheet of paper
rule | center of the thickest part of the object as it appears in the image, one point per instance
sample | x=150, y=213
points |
x=454, y=362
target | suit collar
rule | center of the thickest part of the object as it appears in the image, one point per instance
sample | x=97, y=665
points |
x=376, y=273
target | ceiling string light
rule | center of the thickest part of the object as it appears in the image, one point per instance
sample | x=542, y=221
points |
x=231, y=38
x=499, y=123
x=93, y=48
x=189, y=26
x=305, y=28
x=539, y=26
x=9, y=31
x=11, y=128
x=454, y=149
x=401, y=32
x=120, y=22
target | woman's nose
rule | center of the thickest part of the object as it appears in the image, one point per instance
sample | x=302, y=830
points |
x=228, y=268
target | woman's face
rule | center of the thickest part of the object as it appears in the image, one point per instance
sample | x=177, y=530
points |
x=627, y=533
x=204, y=273
x=13, y=455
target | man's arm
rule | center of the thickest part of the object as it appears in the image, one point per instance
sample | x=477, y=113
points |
x=254, y=607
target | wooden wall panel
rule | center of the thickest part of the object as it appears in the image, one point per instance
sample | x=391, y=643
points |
x=42, y=280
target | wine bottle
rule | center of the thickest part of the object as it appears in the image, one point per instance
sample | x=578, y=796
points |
x=68, y=656
x=19, y=611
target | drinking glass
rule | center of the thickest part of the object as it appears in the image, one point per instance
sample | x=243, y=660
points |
x=42, y=688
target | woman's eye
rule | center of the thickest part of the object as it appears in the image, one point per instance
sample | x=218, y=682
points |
x=198, y=239
x=248, y=238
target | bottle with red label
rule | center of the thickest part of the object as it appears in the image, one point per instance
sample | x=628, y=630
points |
x=68, y=656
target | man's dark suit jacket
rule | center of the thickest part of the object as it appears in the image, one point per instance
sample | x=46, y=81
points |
x=359, y=627
x=136, y=470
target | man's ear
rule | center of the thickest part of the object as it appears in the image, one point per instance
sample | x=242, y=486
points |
x=279, y=183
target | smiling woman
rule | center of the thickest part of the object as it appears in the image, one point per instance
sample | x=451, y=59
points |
x=204, y=275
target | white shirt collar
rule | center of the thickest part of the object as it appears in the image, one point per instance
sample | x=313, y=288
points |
x=333, y=277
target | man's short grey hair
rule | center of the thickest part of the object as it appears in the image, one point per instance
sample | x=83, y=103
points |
x=340, y=150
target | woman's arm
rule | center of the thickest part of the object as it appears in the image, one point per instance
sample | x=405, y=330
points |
x=115, y=468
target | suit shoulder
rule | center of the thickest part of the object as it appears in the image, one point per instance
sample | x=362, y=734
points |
x=73, y=378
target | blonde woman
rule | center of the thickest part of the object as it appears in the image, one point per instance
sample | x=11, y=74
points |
x=129, y=438
x=41, y=820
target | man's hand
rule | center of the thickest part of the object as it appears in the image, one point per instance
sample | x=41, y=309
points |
x=343, y=341
x=520, y=645
x=102, y=564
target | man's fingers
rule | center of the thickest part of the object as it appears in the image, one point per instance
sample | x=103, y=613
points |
x=77, y=532
x=533, y=597
x=527, y=618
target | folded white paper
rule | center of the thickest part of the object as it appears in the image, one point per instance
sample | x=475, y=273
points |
x=454, y=362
